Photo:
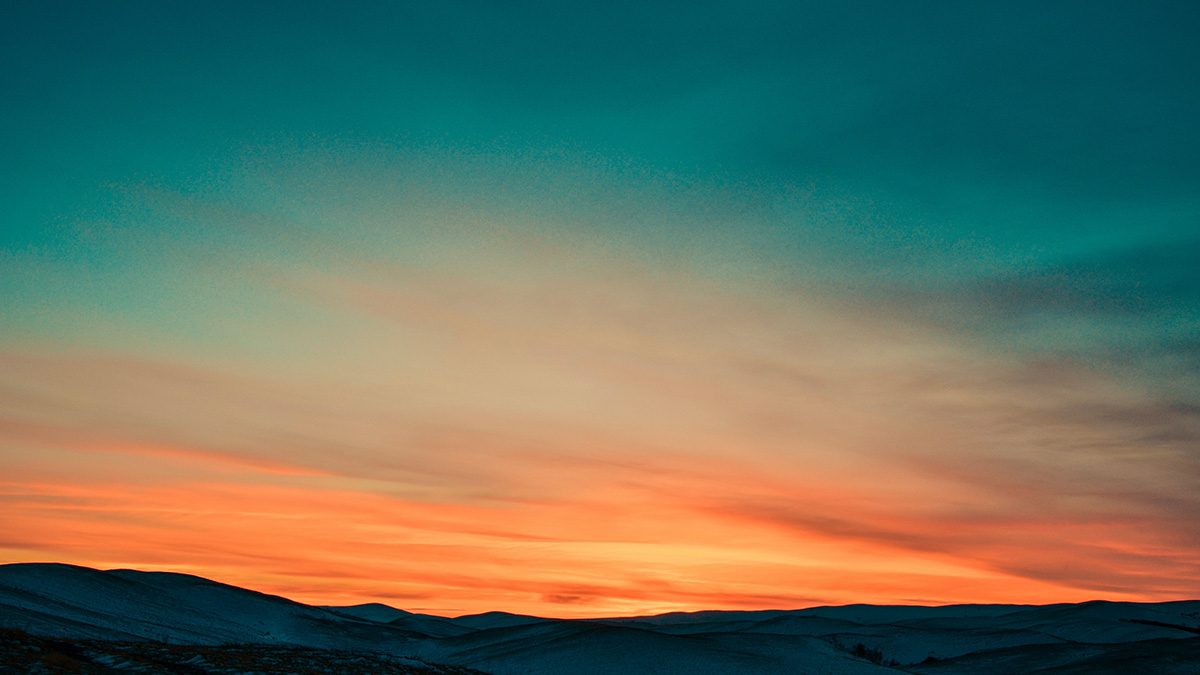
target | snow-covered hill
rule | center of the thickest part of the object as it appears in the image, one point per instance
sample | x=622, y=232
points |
x=102, y=610
x=372, y=611
x=78, y=602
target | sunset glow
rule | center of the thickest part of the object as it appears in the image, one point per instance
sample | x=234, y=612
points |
x=461, y=308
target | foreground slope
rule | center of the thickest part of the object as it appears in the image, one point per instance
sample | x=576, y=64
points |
x=23, y=653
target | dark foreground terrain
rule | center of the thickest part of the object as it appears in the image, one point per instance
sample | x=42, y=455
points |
x=21, y=652
x=65, y=619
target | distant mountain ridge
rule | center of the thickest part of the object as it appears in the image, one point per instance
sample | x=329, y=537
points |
x=119, y=608
x=371, y=611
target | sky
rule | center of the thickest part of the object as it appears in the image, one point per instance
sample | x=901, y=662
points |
x=615, y=308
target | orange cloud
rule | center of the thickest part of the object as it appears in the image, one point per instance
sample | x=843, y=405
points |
x=627, y=440
x=633, y=546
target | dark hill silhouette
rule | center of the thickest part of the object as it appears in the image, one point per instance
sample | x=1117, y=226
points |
x=88, y=620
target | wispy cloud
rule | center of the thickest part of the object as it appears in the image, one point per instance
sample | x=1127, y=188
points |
x=769, y=307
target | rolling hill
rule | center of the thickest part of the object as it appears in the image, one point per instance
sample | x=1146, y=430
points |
x=123, y=621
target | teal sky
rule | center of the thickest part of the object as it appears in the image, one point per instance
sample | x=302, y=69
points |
x=779, y=234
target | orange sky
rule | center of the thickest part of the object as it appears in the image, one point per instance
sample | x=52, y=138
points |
x=578, y=309
x=630, y=439
x=546, y=521
x=650, y=542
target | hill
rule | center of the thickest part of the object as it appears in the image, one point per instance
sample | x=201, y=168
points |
x=131, y=621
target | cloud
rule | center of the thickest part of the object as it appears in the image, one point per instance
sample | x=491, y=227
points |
x=486, y=412
x=566, y=599
x=1131, y=282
